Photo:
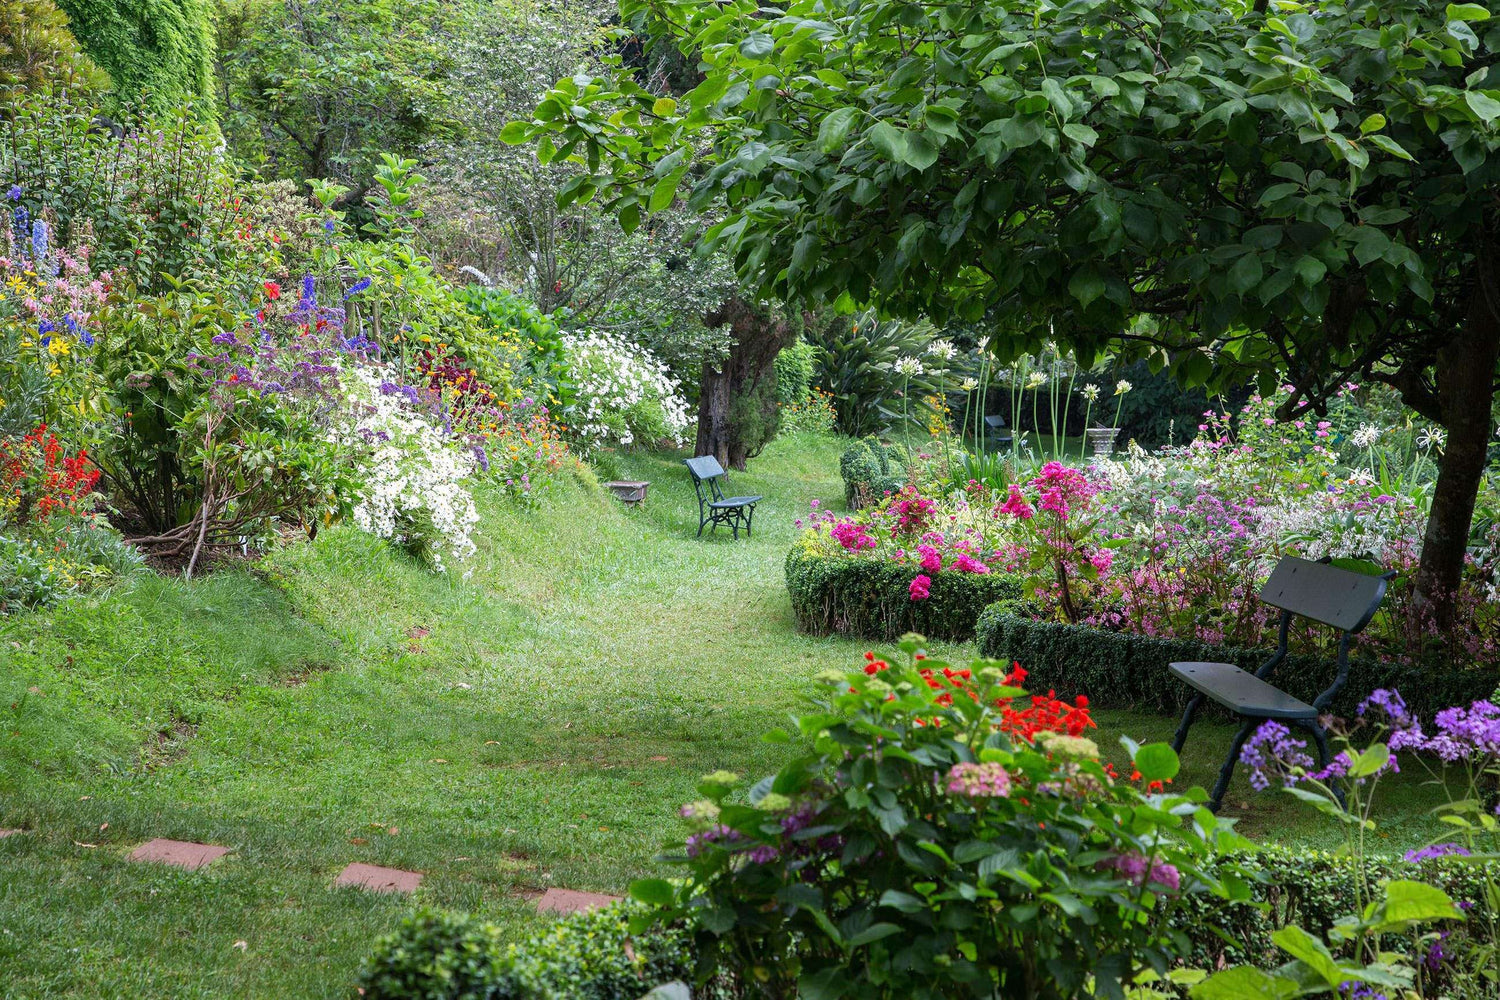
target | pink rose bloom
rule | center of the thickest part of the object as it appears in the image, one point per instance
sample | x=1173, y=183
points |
x=931, y=561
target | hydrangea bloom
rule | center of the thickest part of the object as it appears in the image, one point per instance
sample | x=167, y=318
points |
x=979, y=781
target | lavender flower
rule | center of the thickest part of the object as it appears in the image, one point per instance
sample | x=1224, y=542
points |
x=1436, y=851
x=1272, y=753
x=356, y=288
x=14, y=193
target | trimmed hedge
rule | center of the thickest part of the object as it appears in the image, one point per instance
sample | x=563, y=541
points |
x=866, y=470
x=1312, y=889
x=437, y=955
x=872, y=598
x=1125, y=670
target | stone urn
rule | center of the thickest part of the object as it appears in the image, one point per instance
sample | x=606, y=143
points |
x=1101, y=439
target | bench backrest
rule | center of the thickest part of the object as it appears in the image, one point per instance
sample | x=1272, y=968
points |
x=704, y=468
x=1338, y=597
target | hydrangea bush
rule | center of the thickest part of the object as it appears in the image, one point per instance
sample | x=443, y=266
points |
x=943, y=835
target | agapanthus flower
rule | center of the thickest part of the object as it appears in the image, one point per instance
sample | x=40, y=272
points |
x=1122, y=387
x=908, y=367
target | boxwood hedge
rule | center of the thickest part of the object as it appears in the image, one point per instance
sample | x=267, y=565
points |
x=872, y=598
x=438, y=955
x=1126, y=670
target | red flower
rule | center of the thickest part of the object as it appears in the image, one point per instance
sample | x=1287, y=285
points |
x=273, y=290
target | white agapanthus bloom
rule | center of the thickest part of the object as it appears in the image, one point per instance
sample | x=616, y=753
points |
x=968, y=385
x=624, y=393
x=1365, y=436
x=942, y=349
x=1036, y=380
x=412, y=482
x=908, y=366
x=1090, y=392
x=1122, y=387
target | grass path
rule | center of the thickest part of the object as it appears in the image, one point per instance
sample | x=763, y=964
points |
x=534, y=726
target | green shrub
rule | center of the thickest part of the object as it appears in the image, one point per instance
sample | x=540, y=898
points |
x=1119, y=669
x=872, y=598
x=435, y=955
x=856, y=356
x=159, y=52
x=1311, y=889
x=866, y=469
x=794, y=373
x=38, y=51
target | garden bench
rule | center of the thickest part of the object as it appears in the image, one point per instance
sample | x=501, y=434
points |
x=995, y=432
x=1339, y=598
x=714, y=508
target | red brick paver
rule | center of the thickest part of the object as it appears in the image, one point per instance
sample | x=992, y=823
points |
x=178, y=852
x=7, y=833
x=378, y=879
x=571, y=901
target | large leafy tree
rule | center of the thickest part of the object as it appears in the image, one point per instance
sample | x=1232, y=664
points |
x=1298, y=191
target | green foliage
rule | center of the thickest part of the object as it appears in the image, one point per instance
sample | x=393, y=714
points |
x=1158, y=411
x=871, y=598
x=436, y=955
x=511, y=315
x=856, y=359
x=1128, y=670
x=794, y=373
x=29, y=577
x=891, y=858
x=865, y=467
x=162, y=201
x=38, y=52
x=755, y=416
x=159, y=53
x=318, y=90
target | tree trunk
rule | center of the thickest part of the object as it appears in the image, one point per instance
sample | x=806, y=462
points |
x=1465, y=373
x=756, y=337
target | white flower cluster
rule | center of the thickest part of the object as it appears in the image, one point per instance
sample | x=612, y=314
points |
x=413, y=490
x=624, y=393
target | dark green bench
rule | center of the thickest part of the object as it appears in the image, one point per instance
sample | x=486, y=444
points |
x=1339, y=598
x=714, y=508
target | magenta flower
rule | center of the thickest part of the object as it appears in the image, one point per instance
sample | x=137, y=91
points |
x=921, y=587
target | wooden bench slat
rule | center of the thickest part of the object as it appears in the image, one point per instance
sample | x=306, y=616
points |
x=1242, y=692
x=1337, y=597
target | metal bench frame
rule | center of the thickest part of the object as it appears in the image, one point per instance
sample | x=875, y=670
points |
x=1319, y=592
x=714, y=508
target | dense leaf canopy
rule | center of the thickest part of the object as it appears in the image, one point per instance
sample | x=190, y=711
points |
x=1307, y=189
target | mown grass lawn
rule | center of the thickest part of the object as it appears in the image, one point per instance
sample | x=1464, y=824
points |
x=533, y=726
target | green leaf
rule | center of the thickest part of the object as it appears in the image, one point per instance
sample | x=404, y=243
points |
x=1415, y=902
x=1086, y=285
x=652, y=891
x=1370, y=761
x=873, y=933
x=515, y=132
x=1313, y=953
x=665, y=190
x=757, y=45
x=903, y=901
x=825, y=984
x=1374, y=123
x=1157, y=762
x=835, y=128
x=1389, y=146
x=1467, y=12
x=664, y=107
x=1311, y=270
x=1245, y=274
x=1080, y=133
x=889, y=141
x=1486, y=107
x=1244, y=982
x=921, y=151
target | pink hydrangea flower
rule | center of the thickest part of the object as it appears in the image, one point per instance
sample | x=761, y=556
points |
x=979, y=781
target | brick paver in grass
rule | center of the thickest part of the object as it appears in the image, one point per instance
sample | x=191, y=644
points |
x=378, y=879
x=7, y=833
x=181, y=853
x=565, y=901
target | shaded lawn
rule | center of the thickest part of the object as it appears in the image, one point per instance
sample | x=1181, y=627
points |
x=535, y=725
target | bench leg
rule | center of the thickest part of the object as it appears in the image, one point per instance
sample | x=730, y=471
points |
x=1227, y=771
x=1187, y=722
x=1320, y=737
x=749, y=519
